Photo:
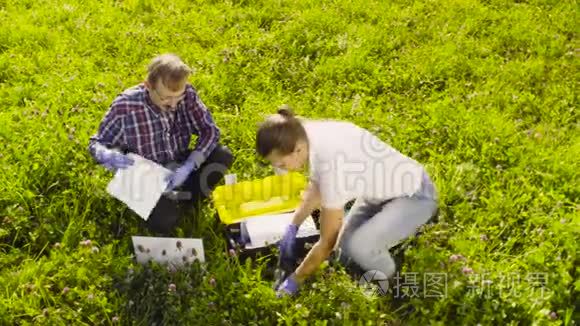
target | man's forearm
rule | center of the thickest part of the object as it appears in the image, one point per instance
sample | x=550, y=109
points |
x=315, y=257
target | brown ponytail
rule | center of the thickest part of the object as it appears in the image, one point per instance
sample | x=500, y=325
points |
x=279, y=132
x=286, y=111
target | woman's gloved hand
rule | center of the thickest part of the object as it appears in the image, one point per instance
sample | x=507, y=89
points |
x=288, y=243
x=288, y=287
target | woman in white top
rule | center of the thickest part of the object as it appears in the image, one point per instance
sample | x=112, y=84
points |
x=393, y=193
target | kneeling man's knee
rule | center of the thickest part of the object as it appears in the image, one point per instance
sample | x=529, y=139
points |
x=223, y=155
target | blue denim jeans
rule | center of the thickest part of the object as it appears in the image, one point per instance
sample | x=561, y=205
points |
x=373, y=227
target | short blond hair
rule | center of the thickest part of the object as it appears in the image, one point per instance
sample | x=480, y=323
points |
x=169, y=68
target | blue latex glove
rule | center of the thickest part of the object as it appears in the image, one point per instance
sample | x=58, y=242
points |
x=178, y=177
x=288, y=243
x=111, y=159
x=288, y=287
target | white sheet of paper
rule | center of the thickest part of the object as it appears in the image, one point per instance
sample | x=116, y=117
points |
x=139, y=186
x=172, y=251
x=268, y=229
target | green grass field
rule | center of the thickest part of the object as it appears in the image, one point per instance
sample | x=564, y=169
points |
x=484, y=93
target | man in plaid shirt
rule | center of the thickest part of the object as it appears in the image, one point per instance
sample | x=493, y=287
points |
x=156, y=120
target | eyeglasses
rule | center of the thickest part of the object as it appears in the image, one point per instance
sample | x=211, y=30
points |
x=168, y=98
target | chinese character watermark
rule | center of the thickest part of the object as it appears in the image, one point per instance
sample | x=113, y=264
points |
x=434, y=285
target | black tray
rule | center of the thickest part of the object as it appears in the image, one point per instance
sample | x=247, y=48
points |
x=232, y=234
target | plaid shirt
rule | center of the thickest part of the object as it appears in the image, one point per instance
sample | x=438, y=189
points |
x=134, y=124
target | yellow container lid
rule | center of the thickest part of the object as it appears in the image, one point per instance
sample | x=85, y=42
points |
x=269, y=195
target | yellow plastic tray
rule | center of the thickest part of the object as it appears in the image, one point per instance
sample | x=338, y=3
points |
x=270, y=195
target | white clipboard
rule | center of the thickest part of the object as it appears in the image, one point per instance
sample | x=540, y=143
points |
x=140, y=186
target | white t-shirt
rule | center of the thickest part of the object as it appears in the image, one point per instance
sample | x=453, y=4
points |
x=348, y=162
